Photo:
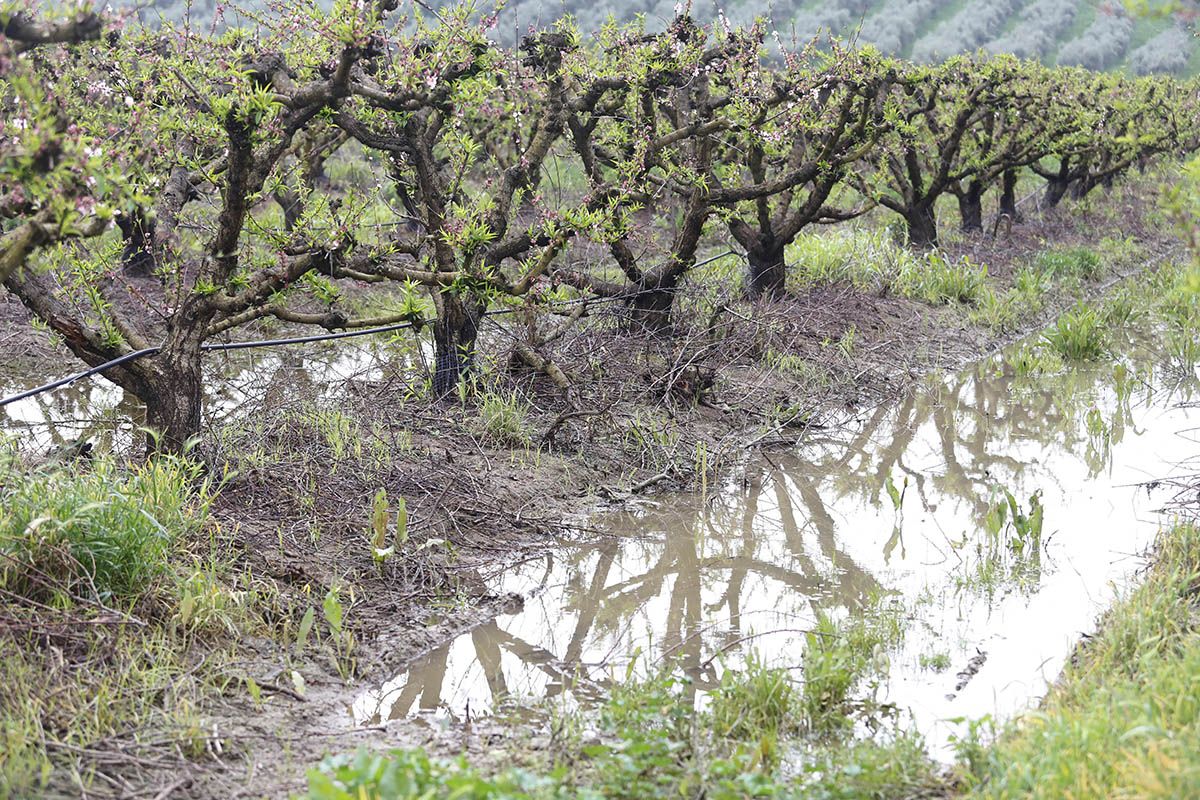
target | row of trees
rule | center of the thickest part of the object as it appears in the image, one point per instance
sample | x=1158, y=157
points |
x=1064, y=32
x=167, y=187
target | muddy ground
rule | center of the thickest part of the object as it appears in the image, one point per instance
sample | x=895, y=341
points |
x=639, y=411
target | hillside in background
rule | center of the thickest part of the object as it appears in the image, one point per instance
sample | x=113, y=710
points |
x=1097, y=34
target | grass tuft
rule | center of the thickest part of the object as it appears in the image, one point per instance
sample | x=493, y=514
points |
x=873, y=261
x=102, y=533
x=504, y=417
x=1078, y=335
x=1075, y=262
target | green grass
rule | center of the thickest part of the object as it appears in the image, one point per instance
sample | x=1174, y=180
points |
x=1029, y=360
x=121, y=617
x=873, y=261
x=103, y=532
x=1078, y=335
x=1003, y=311
x=888, y=767
x=1057, y=267
x=504, y=419
x=1075, y=262
x=656, y=739
x=1124, y=721
x=841, y=658
x=754, y=702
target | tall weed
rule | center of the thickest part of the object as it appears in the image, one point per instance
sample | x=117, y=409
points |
x=103, y=532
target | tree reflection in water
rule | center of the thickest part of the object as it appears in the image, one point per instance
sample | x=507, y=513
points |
x=701, y=581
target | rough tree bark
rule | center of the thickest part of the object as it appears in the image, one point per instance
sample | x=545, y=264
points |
x=970, y=207
x=768, y=272
x=921, y=226
x=1008, y=196
x=174, y=399
x=454, y=335
x=651, y=307
x=1056, y=190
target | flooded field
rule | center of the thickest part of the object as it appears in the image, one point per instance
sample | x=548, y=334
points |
x=983, y=521
x=978, y=525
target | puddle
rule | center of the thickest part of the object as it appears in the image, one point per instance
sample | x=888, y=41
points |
x=100, y=411
x=705, y=579
x=708, y=579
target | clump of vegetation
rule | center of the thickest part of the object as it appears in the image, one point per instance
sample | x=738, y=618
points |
x=1075, y=262
x=1120, y=308
x=891, y=764
x=104, y=533
x=1029, y=360
x=1078, y=335
x=944, y=281
x=120, y=616
x=869, y=259
x=658, y=740
x=754, y=701
x=82, y=551
x=798, y=367
x=935, y=662
x=872, y=260
x=1010, y=552
x=1003, y=310
x=504, y=418
x=839, y=657
x=368, y=775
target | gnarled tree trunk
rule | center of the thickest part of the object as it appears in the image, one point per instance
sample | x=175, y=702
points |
x=454, y=334
x=768, y=272
x=174, y=393
x=970, y=208
x=1008, y=196
x=652, y=305
x=921, y=226
x=174, y=401
x=1056, y=190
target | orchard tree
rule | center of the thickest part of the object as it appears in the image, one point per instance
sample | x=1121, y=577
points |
x=1025, y=122
x=1122, y=123
x=647, y=135
x=149, y=123
x=822, y=113
x=944, y=134
x=466, y=130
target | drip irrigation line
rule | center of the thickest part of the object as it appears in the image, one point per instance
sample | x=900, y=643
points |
x=226, y=346
x=46, y=387
x=321, y=337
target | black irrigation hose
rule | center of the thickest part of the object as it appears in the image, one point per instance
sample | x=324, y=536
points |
x=208, y=348
x=150, y=351
x=116, y=362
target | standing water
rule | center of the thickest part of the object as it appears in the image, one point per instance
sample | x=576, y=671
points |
x=920, y=517
x=985, y=520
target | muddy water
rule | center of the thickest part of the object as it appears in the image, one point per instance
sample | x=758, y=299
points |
x=707, y=578
x=101, y=412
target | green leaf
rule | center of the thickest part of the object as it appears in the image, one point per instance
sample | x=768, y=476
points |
x=306, y=624
x=332, y=606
